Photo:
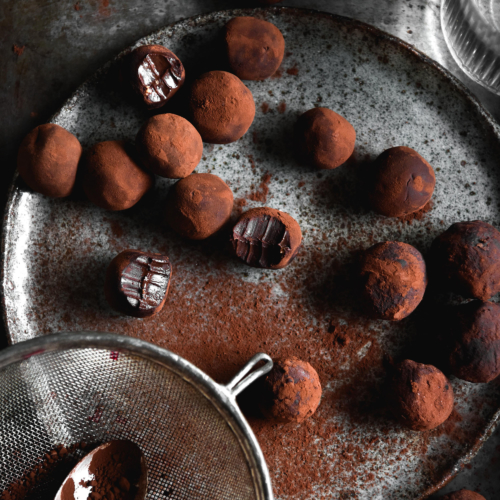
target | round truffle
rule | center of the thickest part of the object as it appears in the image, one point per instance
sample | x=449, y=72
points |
x=292, y=391
x=393, y=280
x=255, y=48
x=111, y=177
x=324, y=138
x=199, y=205
x=475, y=354
x=403, y=182
x=466, y=259
x=137, y=283
x=155, y=73
x=48, y=160
x=169, y=146
x=422, y=395
x=222, y=108
x=463, y=495
x=266, y=238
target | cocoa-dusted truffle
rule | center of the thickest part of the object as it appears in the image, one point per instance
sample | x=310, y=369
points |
x=292, y=391
x=393, y=280
x=475, y=354
x=48, y=159
x=222, y=108
x=199, y=205
x=156, y=74
x=403, y=182
x=111, y=177
x=255, y=48
x=169, y=146
x=422, y=396
x=267, y=238
x=137, y=283
x=466, y=259
x=324, y=139
x=463, y=495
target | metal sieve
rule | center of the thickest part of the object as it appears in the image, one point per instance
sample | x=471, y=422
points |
x=93, y=387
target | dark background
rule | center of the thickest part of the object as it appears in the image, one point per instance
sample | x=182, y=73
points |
x=48, y=47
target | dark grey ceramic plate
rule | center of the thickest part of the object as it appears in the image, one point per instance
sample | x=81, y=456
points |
x=55, y=251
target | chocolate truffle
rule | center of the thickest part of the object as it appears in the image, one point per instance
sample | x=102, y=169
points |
x=111, y=177
x=324, y=138
x=466, y=259
x=137, y=283
x=199, y=205
x=403, y=182
x=463, y=495
x=169, y=146
x=422, y=395
x=266, y=238
x=475, y=354
x=255, y=48
x=292, y=391
x=156, y=74
x=222, y=108
x=48, y=159
x=393, y=280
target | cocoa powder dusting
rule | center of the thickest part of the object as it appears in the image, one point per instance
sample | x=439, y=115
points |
x=263, y=190
x=47, y=475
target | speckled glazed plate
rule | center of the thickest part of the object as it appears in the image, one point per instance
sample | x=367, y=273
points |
x=219, y=311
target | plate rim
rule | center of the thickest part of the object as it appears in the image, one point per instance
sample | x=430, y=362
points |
x=493, y=128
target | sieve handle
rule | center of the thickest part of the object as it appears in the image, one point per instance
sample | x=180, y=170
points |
x=241, y=381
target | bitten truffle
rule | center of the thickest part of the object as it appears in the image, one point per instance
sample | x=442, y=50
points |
x=422, y=397
x=137, y=283
x=111, y=177
x=222, y=108
x=466, y=259
x=393, y=280
x=463, y=495
x=48, y=160
x=403, y=182
x=156, y=74
x=169, y=146
x=323, y=138
x=199, y=205
x=475, y=354
x=292, y=391
x=255, y=48
x=266, y=238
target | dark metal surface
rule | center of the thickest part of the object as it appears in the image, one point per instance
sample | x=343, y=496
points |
x=66, y=41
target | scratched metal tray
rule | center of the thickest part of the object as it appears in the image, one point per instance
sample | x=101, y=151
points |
x=55, y=251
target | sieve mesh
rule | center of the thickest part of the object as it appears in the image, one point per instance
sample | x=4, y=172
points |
x=95, y=395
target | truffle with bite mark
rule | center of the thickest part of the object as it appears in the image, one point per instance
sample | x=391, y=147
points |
x=111, y=177
x=221, y=107
x=169, y=146
x=422, y=397
x=266, y=238
x=393, y=280
x=199, y=205
x=137, y=283
x=403, y=182
x=156, y=74
x=48, y=160
x=475, y=354
x=255, y=48
x=324, y=138
x=291, y=391
x=466, y=259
